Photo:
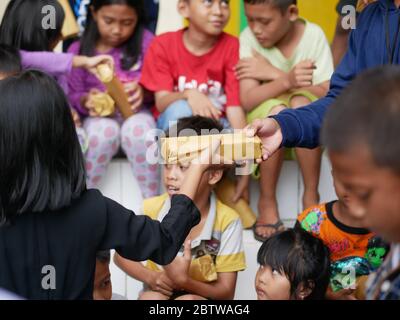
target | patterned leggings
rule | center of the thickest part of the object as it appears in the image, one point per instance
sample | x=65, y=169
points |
x=106, y=135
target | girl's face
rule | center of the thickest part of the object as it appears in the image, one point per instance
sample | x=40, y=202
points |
x=116, y=23
x=271, y=285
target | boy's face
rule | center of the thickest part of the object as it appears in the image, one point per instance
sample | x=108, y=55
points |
x=102, y=289
x=374, y=191
x=175, y=174
x=268, y=23
x=271, y=285
x=207, y=16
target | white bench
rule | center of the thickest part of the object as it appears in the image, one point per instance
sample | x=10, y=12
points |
x=120, y=185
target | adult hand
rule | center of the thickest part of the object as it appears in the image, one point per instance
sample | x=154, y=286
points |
x=269, y=131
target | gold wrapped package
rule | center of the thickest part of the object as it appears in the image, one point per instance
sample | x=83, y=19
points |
x=234, y=146
x=115, y=89
x=203, y=269
x=104, y=105
x=70, y=27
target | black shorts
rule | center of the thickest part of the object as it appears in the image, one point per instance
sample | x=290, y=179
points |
x=343, y=3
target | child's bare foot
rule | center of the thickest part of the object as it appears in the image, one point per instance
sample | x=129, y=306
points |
x=310, y=198
x=268, y=221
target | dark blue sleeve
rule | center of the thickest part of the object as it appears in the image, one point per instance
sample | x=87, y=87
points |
x=301, y=127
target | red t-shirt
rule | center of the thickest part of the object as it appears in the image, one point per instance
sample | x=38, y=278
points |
x=169, y=66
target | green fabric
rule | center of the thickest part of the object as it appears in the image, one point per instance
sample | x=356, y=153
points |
x=263, y=111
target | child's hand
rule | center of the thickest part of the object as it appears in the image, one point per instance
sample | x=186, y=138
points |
x=201, y=105
x=135, y=93
x=301, y=75
x=257, y=68
x=160, y=282
x=179, y=268
x=91, y=63
x=76, y=118
x=89, y=102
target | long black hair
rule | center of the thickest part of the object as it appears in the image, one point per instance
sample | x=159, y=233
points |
x=10, y=60
x=24, y=24
x=300, y=256
x=132, y=49
x=41, y=163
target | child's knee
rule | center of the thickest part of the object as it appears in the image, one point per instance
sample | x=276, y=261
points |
x=190, y=297
x=299, y=101
x=175, y=111
x=275, y=110
x=152, y=295
x=138, y=126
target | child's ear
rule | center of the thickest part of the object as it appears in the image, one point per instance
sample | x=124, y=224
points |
x=293, y=12
x=304, y=290
x=183, y=8
x=94, y=13
x=214, y=176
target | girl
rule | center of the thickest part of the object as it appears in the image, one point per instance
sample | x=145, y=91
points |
x=115, y=27
x=50, y=226
x=22, y=28
x=293, y=266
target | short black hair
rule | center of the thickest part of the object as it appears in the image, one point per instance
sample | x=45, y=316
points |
x=22, y=28
x=300, y=256
x=283, y=5
x=198, y=125
x=367, y=114
x=103, y=256
x=10, y=60
x=41, y=163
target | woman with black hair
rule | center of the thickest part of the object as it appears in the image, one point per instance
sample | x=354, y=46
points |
x=50, y=226
x=116, y=27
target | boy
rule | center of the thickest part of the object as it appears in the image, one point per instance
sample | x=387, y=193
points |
x=102, y=288
x=10, y=61
x=361, y=132
x=355, y=252
x=216, y=240
x=191, y=70
x=373, y=43
x=286, y=63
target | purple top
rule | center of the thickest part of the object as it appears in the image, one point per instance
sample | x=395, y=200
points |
x=80, y=81
x=59, y=65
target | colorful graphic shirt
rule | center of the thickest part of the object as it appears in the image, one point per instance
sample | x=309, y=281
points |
x=170, y=66
x=355, y=252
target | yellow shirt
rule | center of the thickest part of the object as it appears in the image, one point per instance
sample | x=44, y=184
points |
x=221, y=237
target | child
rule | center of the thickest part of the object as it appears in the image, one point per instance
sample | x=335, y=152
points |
x=50, y=226
x=373, y=43
x=294, y=265
x=102, y=289
x=10, y=61
x=115, y=27
x=361, y=133
x=355, y=251
x=22, y=29
x=286, y=63
x=191, y=70
x=216, y=241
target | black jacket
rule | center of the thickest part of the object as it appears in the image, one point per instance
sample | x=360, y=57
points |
x=36, y=245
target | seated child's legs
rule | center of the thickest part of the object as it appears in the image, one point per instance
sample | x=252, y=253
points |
x=268, y=221
x=152, y=295
x=309, y=162
x=137, y=134
x=177, y=110
x=103, y=136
